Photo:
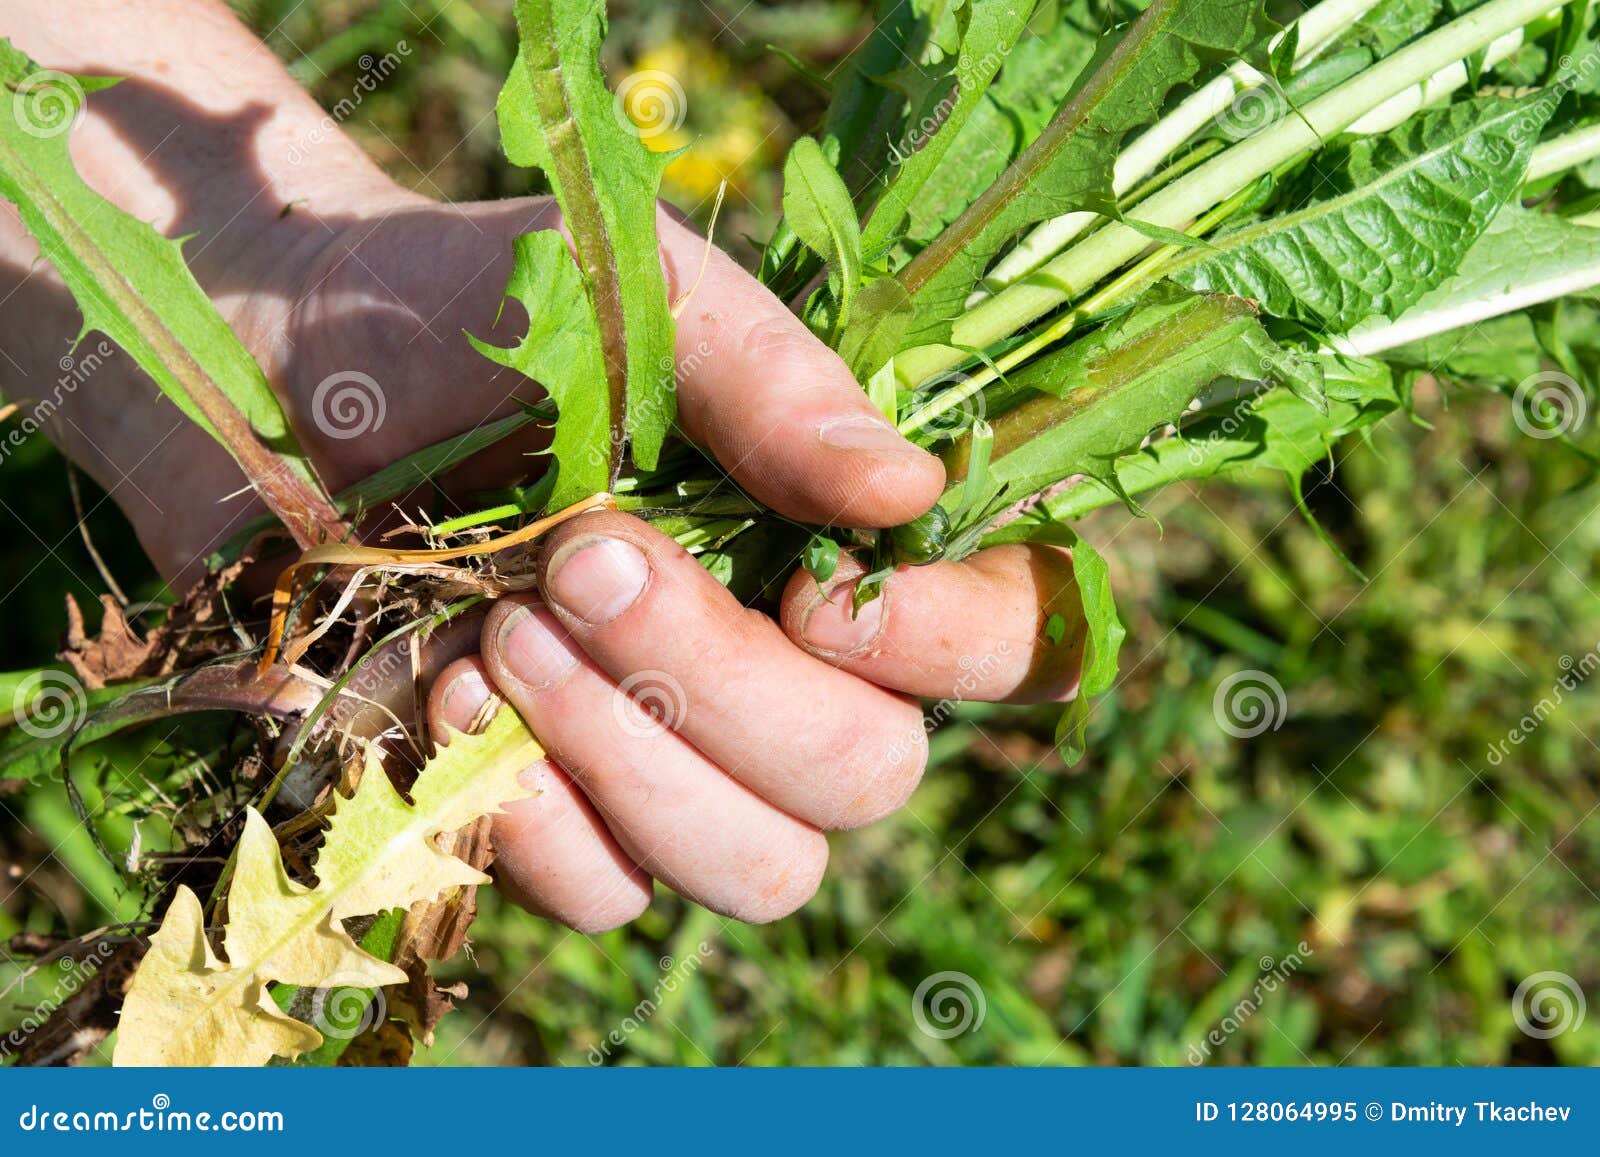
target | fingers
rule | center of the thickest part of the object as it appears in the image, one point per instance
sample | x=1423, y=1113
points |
x=972, y=630
x=780, y=410
x=554, y=856
x=673, y=811
x=776, y=407
x=817, y=742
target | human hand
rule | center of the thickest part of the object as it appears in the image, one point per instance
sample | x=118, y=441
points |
x=696, y=742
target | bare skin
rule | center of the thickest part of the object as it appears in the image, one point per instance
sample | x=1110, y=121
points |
x=776, y=731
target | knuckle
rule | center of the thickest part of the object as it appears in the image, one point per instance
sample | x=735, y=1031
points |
x=738, y=644
x=749, y=629
x=776, y=339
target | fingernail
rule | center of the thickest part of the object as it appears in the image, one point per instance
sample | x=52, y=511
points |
x=533, y=648
x=864, y=432
x=828, y=625
x=463, y=700
x=596, y=579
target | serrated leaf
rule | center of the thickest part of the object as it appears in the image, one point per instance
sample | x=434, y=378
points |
x=557, y=114
x=185, y=1008
x=1070, y=166
x=1410, y=205
x=1117, y=385
x=184, y=1001
x=989, y=31
x=818, y=208
x=286, y=931
x=133, y=285
x=561, y=351
x=379, y=852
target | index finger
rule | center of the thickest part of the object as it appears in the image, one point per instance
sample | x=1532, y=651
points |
x=780, y=410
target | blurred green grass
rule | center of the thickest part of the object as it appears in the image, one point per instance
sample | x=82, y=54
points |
x=1116, y=912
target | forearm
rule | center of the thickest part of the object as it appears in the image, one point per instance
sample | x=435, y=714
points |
x=208, y=138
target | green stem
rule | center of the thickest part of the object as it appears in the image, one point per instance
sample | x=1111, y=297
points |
x=1105, y=377
x=1072, y=273
x=1317, y=28
x=478, y=518
x=580, y=205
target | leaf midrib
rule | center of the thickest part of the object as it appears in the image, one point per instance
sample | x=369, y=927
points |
x=289, y=492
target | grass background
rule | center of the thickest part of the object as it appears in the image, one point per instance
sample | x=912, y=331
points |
x=1367, y=849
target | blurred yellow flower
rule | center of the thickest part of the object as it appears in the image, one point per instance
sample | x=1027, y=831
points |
x=685, y=96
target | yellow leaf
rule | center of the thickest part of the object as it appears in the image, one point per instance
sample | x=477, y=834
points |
x=184, y=1004
x=186, y=1008
x=380, y=851
x=287, y=931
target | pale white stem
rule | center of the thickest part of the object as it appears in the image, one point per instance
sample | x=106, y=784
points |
x=1069, y=275
x=1318, y=28
x=1565, y=153
x=1140, y=159
x=1438, y=87
x=1418, y=325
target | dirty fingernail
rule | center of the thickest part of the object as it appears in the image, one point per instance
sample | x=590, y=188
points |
x=864, y=432
x=597, y=579
x=831, y=627
x=462, y=701
x=533, y=647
